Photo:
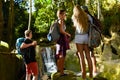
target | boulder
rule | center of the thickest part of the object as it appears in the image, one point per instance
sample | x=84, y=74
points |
x=111, y=69
x=4, y=47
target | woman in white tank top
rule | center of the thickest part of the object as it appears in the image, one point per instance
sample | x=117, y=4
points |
x=63, y=43
x=80, y=20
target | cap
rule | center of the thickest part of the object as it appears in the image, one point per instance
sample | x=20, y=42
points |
x=85, y=8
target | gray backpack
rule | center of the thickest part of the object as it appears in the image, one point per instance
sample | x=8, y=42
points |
x=54, y=32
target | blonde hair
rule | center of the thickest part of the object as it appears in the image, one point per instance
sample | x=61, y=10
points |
x=80, y=18
x=27, y=32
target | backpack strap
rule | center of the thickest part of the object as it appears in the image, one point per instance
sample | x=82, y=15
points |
x=96, y=28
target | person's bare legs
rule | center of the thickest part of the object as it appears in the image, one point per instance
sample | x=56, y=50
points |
x=35, y=77
x=93, y=58
x=28, y=76
x=60, y=65
x=81, y=59
x=88, y=57
x=60, y=60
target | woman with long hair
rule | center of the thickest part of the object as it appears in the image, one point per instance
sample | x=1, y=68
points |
x=80, y=21
x=63, y=43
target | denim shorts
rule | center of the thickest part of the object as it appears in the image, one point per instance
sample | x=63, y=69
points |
x=81, y=38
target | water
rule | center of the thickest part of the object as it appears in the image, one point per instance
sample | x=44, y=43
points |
x=48, y=56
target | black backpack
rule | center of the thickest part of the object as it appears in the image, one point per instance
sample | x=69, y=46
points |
x=54, y=32
x=97, y=23
x=95, y=33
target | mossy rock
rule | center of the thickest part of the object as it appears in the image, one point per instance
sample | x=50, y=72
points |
x=111, y=69
x=70, y=76
x=4, y=47
x=12, y=67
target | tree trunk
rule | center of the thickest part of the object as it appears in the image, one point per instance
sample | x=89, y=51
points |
x=98, y=9
x=10, y=23
x=30, y=13
x=1, y=20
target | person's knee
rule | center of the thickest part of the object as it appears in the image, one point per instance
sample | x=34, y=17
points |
x=35, y=77
x=28, y=76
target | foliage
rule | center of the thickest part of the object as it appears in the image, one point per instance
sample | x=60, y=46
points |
x=46, y=14
x=111, y=15
x=46, y=10
x=43, y=20
x=21, y=20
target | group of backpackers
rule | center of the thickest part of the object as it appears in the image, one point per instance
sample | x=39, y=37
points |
x=26, y=46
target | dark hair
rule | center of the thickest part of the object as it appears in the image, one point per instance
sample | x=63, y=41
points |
x=85, y=8
x=60, y=11
x=27, y=32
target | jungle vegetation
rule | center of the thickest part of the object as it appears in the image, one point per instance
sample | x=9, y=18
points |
x=14, y=16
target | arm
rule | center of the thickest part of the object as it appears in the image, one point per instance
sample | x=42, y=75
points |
x=24, y=45
x=61, y=29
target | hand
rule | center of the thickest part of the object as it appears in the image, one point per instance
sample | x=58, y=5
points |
x=69, y=35
x=34, y=43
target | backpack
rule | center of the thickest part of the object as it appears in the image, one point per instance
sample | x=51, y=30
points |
x=97, y=23
x=19, y=41
x=54, y=32
x=94, y=36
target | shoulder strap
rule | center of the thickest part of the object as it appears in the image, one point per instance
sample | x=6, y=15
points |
x=96, y=28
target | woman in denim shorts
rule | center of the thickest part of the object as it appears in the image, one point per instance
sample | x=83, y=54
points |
x=80, y=20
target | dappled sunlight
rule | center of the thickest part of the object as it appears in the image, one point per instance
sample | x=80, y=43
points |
x=14, y=20
x=108, y=4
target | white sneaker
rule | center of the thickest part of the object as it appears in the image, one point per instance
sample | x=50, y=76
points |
x=95, y=74
x=79, y=74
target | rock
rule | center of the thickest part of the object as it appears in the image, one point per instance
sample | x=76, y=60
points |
x=111, y=69
x=4, y=47
x=70, y=76
x=110, y=48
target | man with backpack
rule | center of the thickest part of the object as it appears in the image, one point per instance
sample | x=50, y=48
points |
x=94, y=21
x=22, y=72
x=28, y=50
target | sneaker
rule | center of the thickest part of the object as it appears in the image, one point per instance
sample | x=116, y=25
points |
x=95, y=74
x=79, y=74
